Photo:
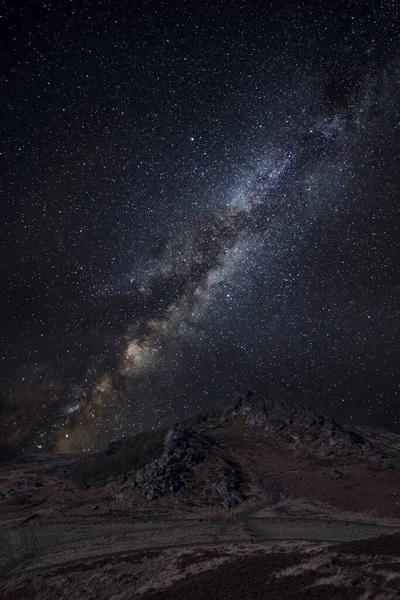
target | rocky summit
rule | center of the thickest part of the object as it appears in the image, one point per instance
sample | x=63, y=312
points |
x=265, y=482
x=298, y=425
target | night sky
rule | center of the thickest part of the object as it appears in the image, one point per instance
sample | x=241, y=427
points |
x=198, y=197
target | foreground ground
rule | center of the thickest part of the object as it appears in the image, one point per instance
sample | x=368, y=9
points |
x=208, y=558
x=273, y=501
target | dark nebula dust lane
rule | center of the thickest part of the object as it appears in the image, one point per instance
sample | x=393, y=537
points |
x=198, y=199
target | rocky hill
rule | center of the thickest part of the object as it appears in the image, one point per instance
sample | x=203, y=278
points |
x=264, y=469
x=301, y=428
x=258, y=449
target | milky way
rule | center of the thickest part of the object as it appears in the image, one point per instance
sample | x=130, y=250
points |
x=198, y=205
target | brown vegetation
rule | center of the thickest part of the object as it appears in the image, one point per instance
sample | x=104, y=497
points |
x=119, y=459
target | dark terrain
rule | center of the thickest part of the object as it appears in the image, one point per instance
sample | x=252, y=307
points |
x=269, y=499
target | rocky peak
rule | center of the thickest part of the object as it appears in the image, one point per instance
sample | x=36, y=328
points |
x=294, y=423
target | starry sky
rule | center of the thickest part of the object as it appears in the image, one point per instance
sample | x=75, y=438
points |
x=198, y=197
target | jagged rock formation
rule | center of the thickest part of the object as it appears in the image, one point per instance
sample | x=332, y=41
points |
x=300, y=426
x=285, y=424
x=227, y=487
x=182, y=454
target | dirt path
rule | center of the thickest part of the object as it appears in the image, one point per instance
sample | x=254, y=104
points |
x=48, y=545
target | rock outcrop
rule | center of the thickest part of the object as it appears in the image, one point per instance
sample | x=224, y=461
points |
x=182, y=454
x=260, y=455
x=227, y=488
x=298, y=426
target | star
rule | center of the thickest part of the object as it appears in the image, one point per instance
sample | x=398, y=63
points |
x=195, y=206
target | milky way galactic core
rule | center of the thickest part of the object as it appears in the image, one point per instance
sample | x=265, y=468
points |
x=199, y=199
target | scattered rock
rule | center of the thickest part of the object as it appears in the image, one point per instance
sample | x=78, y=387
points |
x=106, y=499
x=19, y=498
x=335, y=474
x=29, y=519
x=387, y=465
x=62, y=473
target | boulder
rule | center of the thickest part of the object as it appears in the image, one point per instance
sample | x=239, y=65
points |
x=226, y=488
x=335, y=474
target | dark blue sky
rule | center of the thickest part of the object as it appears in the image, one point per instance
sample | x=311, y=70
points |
x=198, y=197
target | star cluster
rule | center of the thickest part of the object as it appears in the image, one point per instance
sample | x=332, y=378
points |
x=199, y=197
